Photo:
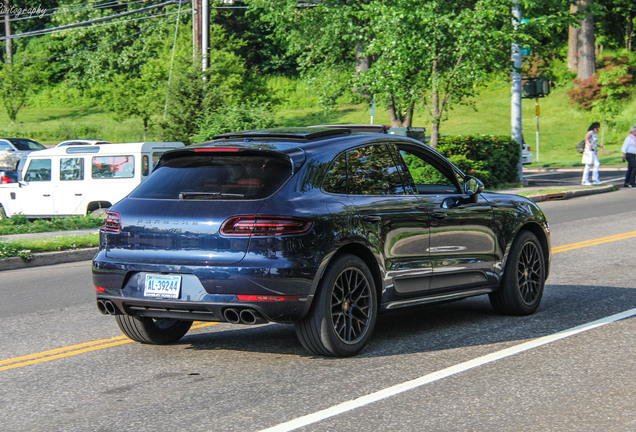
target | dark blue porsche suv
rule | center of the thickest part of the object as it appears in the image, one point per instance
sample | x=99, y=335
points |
x=319, y=227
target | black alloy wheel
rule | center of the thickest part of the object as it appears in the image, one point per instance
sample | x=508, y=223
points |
x=344, y=312
x=524, y=278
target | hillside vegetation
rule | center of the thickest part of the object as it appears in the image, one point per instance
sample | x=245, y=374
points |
x=561, y=126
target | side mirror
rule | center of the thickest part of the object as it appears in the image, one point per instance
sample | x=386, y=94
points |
x=473, y=186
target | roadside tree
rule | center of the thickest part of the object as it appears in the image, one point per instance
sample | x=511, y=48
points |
x=18, y=80
x=413, y=53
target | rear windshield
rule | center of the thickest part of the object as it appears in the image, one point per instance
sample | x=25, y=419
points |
x=204, y=177
x=25, y=145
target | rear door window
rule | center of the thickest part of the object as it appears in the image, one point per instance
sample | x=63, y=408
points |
x=203, y=177
x=71, y=169
x=373, y=171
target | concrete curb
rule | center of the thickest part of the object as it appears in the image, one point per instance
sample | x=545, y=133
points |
x=571, y=193
x=48, y=258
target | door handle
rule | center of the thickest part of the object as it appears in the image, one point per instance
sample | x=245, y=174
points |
x=438, y=215
x=78, y=194
x=371, y=218
x=46, y=195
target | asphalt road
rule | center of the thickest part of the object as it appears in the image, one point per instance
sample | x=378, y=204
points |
x=456, y=366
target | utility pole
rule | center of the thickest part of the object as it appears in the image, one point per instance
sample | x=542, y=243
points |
x=205, y=33
x=7, y=31
x=196, y=28
x=515, y=99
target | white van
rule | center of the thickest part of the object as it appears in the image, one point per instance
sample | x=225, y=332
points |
x=79, y=180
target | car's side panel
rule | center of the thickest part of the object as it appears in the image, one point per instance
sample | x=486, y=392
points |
x=464, y=250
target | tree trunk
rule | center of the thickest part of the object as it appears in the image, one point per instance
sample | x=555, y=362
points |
x=573, y=42
x=362, y=65
x=145, y=119
x=399, y=117
x=436, y=113
x=587, y=55
x=629, y=32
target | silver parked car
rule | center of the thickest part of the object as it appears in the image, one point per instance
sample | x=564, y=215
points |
x=14, y=149
x=75, y=142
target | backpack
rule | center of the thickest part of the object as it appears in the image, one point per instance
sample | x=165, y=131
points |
x=580, y=147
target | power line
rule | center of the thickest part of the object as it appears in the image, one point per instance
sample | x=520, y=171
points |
x=96, y=20
x=66, y=10
x=99, y=45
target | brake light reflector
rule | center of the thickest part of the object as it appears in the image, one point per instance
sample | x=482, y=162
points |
x=5, y=179
x=266, y=297
x=264, y=226
x=112, y=223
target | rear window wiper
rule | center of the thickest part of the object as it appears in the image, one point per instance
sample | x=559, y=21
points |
x=208, y=195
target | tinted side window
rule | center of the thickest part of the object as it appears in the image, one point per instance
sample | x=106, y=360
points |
x=72, y=169
x=39, y=170
x=372, y=171
x=336, y=178
x=426, y=176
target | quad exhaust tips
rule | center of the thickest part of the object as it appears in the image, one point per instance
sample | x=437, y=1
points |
x=243, y=316
x=107, y=307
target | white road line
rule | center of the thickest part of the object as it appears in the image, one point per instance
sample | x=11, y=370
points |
x=444, y=373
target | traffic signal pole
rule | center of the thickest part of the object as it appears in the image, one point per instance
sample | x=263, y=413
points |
x=537, y=112
x=515, y=99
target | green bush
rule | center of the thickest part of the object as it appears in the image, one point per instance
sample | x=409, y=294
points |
x=232, y=118
x=492, y=159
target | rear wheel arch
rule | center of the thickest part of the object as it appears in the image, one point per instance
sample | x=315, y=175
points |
x=369, y=259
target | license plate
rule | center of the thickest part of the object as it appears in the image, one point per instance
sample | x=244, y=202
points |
x=162, y=286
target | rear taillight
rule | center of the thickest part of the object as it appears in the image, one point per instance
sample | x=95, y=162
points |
x=264, y=226
x=112, y=223
x=5, y=179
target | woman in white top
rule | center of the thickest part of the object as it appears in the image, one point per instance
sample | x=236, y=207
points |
x=589, y=156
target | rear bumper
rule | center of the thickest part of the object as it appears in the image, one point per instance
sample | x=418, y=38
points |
x=206, y=292
x=221, y=308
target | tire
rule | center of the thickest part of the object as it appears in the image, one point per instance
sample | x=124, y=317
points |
x=100, y=212
x=3, y=215
x=524, y=278
x=159, y=331
x=344, y=312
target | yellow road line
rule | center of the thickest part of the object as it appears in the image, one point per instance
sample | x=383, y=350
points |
x=593, y=242
x=72, y=350
x=57, y=353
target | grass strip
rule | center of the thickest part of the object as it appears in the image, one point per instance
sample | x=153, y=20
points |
x=19, y=224
x=25, y=248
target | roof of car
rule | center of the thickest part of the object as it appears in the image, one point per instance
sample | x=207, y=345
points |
x=365, y=128
x=301, y=134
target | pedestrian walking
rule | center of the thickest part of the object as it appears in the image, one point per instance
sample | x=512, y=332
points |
x=590, y=160
x=629, y=154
